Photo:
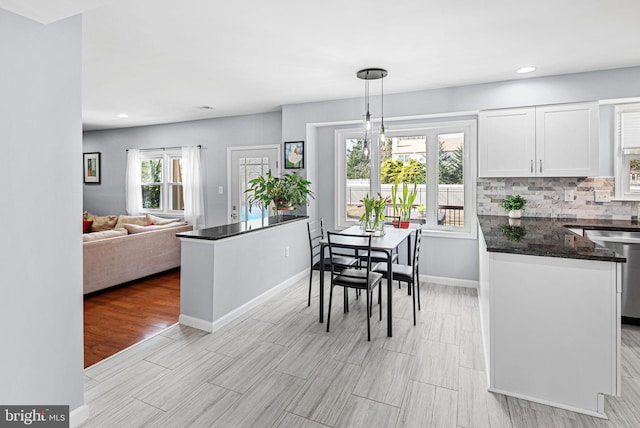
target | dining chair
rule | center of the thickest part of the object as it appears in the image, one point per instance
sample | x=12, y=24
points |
x=315, y=229
x=407, y=273
x=357, y=278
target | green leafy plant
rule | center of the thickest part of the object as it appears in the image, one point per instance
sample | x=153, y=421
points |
x=373, y=211
x=402, y=204
x=422, y=209
x=288, y=191
x=513, y=202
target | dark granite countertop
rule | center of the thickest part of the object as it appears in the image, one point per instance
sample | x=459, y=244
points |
x=227, y=230
x=549, y=237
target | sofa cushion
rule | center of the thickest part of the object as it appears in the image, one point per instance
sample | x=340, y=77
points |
x=141, y=220
x=112, y=233
x=101, y=223
x=86, y=226
x=134, y=228
x=160, y=220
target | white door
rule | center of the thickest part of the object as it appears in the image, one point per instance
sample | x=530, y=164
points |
x=245, y=164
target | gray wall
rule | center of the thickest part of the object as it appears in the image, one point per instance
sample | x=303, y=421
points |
x=215, y=135
x=314, y=123
x=41, y=249
x=455, y=258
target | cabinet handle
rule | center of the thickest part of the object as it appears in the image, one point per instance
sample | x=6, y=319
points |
x=540, y=165
x=532, y=166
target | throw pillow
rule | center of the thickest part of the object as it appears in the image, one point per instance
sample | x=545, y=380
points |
x=160, y=220
x=140, y=220
x=101, y=223
x=86, y=226
x=134, y=228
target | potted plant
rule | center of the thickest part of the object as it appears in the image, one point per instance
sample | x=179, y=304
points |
x=402, y=205
x=285, y=192
x=422, y=210
x=514, y=204
x=372, y=220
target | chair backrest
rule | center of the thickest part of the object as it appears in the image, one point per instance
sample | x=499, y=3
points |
x=315, y=229
x=416, y=248
x=360, y=244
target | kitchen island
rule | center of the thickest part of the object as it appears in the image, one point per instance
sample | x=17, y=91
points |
x=227, y=270
x=550, y=313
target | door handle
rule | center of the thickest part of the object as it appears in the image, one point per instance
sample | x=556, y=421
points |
x=540, y=165
x=532, y=166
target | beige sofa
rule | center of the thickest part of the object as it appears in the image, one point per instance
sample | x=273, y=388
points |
x=129, y=252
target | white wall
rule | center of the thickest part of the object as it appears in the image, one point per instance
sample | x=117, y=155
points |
x=215, y=135
x=446, y=257
x=41, y=361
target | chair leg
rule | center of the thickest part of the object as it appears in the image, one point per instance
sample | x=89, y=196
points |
x=368, y=316
x=345, y=297
x=379, y=300
x=310, y=278
x=418, y=287
x=329, y=313
x=413, y=285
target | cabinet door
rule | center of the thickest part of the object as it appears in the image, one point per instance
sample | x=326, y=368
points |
x=567, y=140
x=506, y=145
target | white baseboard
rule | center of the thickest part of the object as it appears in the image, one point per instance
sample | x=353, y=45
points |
x=210, y=327
x=194, y=322
x=78, y=416
x=455, y=282
x=593, y=413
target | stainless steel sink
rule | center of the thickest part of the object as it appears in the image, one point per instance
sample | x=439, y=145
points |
x=628, y=245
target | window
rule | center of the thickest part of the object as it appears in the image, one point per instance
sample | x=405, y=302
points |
x=627, y=152
x=438, y=157
x=161, y=181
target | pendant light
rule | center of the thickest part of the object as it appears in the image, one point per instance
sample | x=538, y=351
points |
x=367, y=74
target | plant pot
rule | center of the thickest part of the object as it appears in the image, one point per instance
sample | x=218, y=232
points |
x=515, y=213
x=404, y=225
x=515, y=222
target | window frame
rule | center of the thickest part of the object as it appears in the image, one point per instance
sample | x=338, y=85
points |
x=468, y=126
x=621, y=160
x=167, y=183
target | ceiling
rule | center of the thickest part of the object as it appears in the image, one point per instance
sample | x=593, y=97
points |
x=159, y=61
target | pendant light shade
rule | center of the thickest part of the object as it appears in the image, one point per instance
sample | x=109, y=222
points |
x=368, y=74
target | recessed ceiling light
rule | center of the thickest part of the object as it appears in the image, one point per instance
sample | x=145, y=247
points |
x=524, y=70
x=123, y=115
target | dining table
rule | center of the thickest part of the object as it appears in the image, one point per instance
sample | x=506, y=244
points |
x=387, y=243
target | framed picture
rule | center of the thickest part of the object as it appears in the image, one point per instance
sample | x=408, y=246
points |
x=294, y=154
x=92, y=168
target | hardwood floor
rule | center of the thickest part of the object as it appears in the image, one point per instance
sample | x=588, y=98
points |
x=118, y=318
x=277, y=367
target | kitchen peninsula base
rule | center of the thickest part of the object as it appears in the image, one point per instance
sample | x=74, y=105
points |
x=551, y=328
x=227, y=270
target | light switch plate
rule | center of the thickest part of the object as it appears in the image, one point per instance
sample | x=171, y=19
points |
x=602, y=196
x=569, y=196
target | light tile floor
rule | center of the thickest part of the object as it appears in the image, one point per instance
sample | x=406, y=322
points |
x=278, y=367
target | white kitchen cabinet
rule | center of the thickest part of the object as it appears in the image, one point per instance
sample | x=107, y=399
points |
x=546, y=141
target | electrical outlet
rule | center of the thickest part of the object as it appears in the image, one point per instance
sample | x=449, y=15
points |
x=569, y=196
x=602, y=196
x=569, y=240
x=286, y=251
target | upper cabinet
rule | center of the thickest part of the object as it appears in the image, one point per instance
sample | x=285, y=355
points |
x=546, y=141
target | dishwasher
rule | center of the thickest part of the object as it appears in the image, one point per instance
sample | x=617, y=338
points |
x=626, y=244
